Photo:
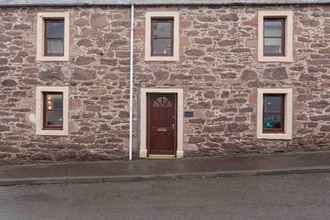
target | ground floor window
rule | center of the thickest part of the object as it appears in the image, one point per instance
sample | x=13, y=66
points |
x=274, y=114
x=52, y=110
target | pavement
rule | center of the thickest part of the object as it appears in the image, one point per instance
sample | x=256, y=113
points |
x=137, y=170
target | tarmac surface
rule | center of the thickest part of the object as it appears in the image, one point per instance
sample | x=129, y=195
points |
x=281, y=197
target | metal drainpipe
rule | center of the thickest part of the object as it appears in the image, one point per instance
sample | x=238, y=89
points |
x=131, y=86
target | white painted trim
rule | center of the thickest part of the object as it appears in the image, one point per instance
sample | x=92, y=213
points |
x=131, y=85
x=40, y=35
x=288, y=36
x=287, y=135
x=176, y=37
x=143, y=118
x=39, y=111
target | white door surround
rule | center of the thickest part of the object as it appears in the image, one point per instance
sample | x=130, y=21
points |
x=143, y=119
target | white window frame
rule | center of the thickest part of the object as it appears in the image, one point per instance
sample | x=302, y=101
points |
x=288, y=114
x=176, y=36
x=288, y=15
x=41, y=36
x=40, y=106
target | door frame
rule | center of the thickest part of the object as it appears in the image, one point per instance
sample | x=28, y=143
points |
x=143, y=152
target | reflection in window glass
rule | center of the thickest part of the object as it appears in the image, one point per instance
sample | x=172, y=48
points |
x=273, y=113
x=53, y=110
x=274, y=36
x=54, y=37
x=162, y=36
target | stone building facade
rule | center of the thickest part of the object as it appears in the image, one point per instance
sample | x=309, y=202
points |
x=217, y=79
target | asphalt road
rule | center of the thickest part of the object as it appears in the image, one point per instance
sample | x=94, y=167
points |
x=299, y=197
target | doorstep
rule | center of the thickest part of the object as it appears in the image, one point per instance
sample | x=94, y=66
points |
x=161, y=156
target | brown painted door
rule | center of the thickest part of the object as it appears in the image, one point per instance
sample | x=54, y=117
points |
x=162, y=123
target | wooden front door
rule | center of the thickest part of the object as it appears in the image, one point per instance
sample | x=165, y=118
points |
x=162, y=123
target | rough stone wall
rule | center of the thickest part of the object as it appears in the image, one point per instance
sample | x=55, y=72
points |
x=218, y=71
x=97, y=77
x=220, y=74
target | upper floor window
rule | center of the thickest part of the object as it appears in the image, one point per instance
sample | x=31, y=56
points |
x=53, y=36
x=162, y=36
x=275, y=38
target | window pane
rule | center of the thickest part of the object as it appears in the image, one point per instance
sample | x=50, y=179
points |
x=274, y=36
x=53, y=108
x=273, y=122
x=54, y=28
x=273, y=113
x=162, y=28
x=55, y=47
x=162, y=47
x=273, y=104
x=273, y=27
x=54, y=37
x=273, y=46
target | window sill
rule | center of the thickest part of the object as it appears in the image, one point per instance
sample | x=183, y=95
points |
x=162, y=58
x=275, y=136
x=286, y=59
x=53, y=132
x=52, y=59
